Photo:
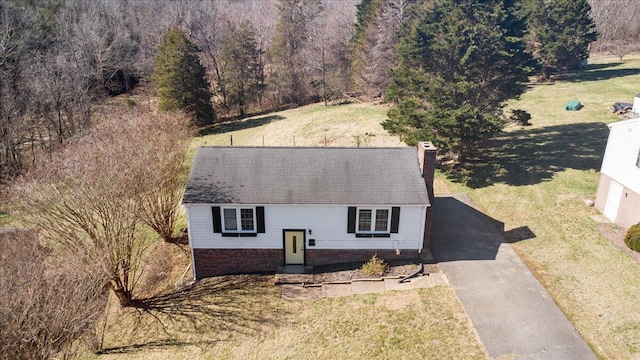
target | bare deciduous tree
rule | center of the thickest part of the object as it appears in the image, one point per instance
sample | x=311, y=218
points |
x=326, y=51
x=167, y=138
x=46, y=304
x=618, y=28
x=290, y=38
x=240, y=59
x=93, y=197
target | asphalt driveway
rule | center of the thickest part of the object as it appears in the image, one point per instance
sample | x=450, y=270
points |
x=514, y=316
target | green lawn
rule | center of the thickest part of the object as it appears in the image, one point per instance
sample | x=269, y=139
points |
x=539, y=176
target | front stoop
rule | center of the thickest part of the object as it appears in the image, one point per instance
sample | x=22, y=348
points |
x=294, y=274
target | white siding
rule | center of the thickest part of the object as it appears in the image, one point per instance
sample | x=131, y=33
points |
x=328, y=224
x=621, y=154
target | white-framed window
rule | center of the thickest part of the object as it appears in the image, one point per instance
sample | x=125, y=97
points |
x=239, y=220
x=373, y=220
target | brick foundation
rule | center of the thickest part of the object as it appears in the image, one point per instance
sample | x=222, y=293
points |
x=213, y=262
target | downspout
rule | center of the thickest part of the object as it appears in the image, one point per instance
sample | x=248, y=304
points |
x=193, y=258
x=422, y=229
x=408, y=277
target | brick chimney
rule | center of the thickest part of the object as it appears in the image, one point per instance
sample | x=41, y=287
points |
x=427, y=160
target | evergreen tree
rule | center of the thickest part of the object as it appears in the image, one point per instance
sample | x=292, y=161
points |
x=560, y=32
x=181, y=78
x=241, y=62
x=361, y=42
x=291, y=35
x=459, y=64
x=375, y=42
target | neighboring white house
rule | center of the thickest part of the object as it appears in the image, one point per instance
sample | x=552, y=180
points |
x=253, y=209
x=636, y=104
x=618, y=196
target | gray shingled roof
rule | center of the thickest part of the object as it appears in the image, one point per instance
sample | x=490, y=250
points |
x=296, y=175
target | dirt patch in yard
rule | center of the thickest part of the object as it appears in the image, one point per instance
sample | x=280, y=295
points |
x=615, y=234
x=348, y=272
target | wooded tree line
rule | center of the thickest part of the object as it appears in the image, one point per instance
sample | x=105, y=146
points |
x=58, y=58
x=618, y=26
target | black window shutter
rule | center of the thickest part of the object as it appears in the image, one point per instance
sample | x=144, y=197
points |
x=217, y=220
x=260, y=218
x=351, y=220
x=395, y=219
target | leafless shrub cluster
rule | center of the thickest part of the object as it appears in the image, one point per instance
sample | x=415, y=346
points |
x=47, y=304
x=157, y=271
x=618, y=26
x=93, y=197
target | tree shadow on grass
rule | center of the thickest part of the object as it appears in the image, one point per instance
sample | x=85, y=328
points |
x=156, y=344
x=526, y=157
x=237, y=125
x=603, y=66
x=227, y=303
x=598, y=72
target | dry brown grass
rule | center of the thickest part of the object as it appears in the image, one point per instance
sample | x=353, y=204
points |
x=310, y=125
x=244, y=317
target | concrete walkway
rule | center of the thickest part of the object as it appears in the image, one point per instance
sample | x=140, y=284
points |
x=514, y=316
x=356, y=287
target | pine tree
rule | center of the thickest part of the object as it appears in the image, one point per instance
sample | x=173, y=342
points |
x=560, y=32
x=455, y=70
x=291, y=35
x=181, y=78
x=375, y=42
x=361, y=42
x=241, y=62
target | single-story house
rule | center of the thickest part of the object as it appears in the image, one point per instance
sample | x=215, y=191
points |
x=254, y=209
x=618, y=196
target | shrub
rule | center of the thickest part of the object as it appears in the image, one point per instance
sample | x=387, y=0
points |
x=50, y=305
x=632, y=239
x=520, y=117
x=129, y=103
x=362, y=140
x=375, y=266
